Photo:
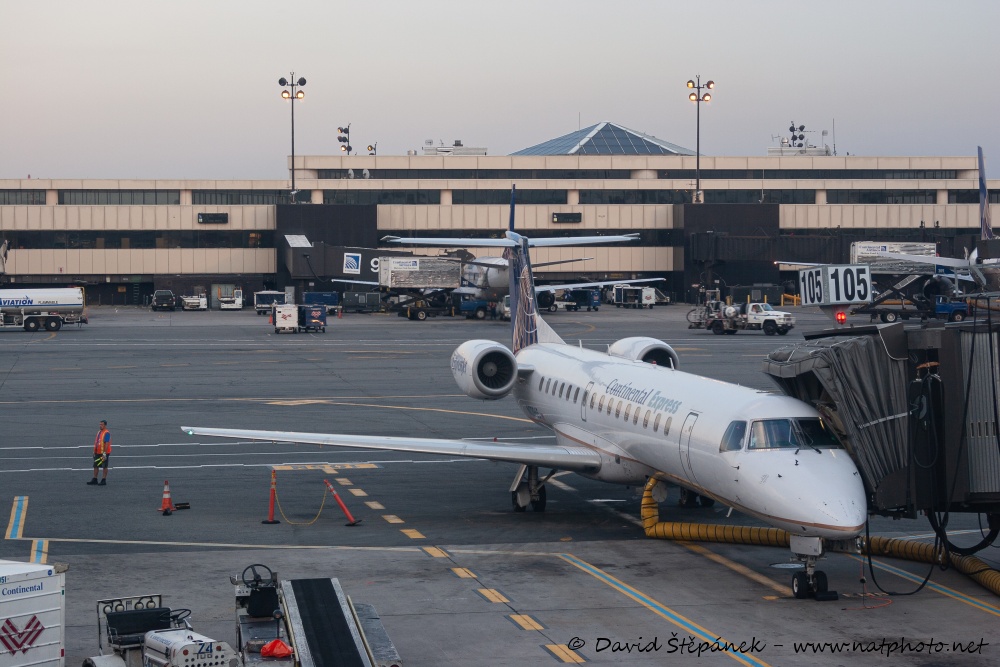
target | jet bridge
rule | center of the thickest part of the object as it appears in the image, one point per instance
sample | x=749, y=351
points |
x=915, y=405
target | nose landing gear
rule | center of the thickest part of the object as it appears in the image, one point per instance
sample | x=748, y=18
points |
x=812, y=582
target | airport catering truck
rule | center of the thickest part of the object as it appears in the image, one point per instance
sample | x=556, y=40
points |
x=42, y=308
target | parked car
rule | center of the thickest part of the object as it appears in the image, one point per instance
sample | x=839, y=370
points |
x=163, y=299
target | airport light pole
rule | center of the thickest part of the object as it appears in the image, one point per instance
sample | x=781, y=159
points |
x=292, y=95
x=698, y=97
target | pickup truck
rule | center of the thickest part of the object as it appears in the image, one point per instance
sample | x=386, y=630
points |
x=163, y=299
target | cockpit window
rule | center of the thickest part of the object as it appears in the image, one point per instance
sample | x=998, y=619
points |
x=733, y=439
x=791, y=434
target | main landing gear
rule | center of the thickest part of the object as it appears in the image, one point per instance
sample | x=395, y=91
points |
x=528, y=489
x=812, y=582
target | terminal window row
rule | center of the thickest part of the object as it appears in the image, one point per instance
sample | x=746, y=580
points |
x=132, y=240
x=626, y=174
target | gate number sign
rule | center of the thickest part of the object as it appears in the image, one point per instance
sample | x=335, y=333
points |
x=835, y=284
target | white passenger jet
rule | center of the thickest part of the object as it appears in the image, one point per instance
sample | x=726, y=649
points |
x=986, y=272
x=628, y=414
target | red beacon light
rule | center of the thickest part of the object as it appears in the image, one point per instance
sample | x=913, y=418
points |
x=841, y=317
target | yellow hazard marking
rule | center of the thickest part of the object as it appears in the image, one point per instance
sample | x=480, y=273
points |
x=463, y=573
x=492, y=594
x=40, y=551
x=771, y=597
x=358, y=492
x=435, y=552
x=343, y=481
x=374, y=504
x=565, y=653
x=784, y=591
x=526, y=622
x=15, y=527
x=413, y=534
x=329, y=468
x=392, y=518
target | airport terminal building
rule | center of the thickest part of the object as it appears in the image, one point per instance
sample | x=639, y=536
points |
x=125, y=238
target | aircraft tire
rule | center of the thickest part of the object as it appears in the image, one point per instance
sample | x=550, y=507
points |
x=705, y=501
x=800, y=585
x=820, y=582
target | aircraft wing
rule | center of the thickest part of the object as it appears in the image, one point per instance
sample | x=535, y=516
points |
x=575, y=459
x=555, y=288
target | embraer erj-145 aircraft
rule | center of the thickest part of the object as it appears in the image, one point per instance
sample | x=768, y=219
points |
x=628, y=414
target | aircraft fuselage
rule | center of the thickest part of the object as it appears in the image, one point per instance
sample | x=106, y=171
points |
x=654, y=421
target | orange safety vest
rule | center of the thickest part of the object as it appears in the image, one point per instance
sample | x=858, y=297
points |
x=102, y=443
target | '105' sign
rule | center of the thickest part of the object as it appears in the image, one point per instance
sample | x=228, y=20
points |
x=835, y=284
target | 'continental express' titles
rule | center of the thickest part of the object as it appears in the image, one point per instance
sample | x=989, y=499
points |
x=651, y=398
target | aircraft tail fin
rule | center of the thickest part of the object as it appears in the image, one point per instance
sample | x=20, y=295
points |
x=528, y=326
x=985, y=227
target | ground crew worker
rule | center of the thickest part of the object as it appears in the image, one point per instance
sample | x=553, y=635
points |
x=102, y=453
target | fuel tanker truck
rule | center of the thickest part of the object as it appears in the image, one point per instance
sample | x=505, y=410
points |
x=48, y=308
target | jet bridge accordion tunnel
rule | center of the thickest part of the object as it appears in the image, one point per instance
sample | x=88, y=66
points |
x=917, y=408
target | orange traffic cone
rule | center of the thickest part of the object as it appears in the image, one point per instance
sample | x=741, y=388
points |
x=167, y=506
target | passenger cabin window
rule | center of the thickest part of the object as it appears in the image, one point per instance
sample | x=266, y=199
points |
x=610, y=402
x=666, y=425
x=600, y=405
x=791, y=434
x=732, y=441
x=593, y=397
x=645, y=420
x=561, y=387
x=576, y=395
x=618, y=409
x=635, y=418
x=656, y=422
x=548, y=385
x=628, y=409
x=541, y=383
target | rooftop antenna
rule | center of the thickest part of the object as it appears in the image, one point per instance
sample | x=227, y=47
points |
x=834, y=136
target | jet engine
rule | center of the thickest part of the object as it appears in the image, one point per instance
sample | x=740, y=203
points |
x=484, y=369
x=649, y=350
x=544, y=299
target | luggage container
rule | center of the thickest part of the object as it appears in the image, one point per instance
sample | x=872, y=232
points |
x=285, y=317
x=312, y=317
x=32, y=615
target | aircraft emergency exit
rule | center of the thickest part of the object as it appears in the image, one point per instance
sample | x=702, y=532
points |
x=629, y=414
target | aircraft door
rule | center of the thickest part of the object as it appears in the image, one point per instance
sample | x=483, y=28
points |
x=586, y=398
x=684, y=445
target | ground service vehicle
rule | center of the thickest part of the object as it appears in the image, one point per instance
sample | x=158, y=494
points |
x=362, y=302
x=196, y=302
x=890, y=307
x=46, y=308
x=583, y=298
x=33, y=611
x=329, y=299
x=163, y=299
x=720, y=318
x=262, y=301
x=313, y=618
x=232, y=301
x=505, y=308
x=631, y=296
